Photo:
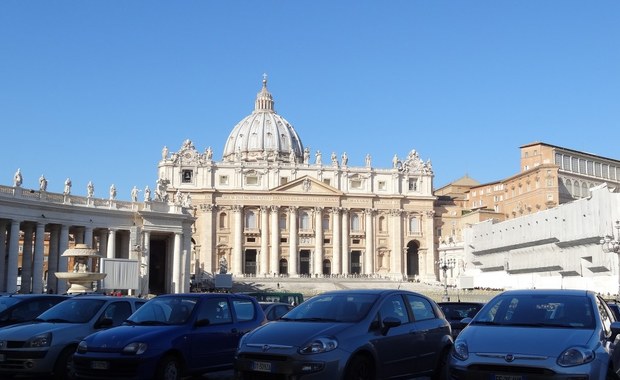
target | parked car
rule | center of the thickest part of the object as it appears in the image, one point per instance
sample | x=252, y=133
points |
x=455, y=312
x=275, y=310
x=615, y=309
x=18, y=308
x=538, y=334
x=46, y=345
x=171, y=336
x=349, y=334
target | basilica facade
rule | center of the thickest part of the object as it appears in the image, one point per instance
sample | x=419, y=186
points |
x=270, y=207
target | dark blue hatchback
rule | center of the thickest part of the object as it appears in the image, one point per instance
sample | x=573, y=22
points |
x=171, y=336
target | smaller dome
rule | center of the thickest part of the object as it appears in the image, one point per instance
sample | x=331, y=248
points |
x=263, y=135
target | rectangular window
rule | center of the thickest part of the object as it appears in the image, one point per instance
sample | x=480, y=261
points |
x=590, y=166
x=327, y=241
x=605, y=171
x=356, y=184
x=327, y=181
x=382, y=185
x=558, y=159
x=250, y=240
x=574, y=165
x=413, y=184
x=251, y=180
x=223, y=180
x=283, y=240
x=597, y=169
x=187, y=176
x=283, y=180
x=356, y=241
x=566, y=163
x=582, y=166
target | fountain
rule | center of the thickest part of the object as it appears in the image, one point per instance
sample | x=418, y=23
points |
x=81, y=279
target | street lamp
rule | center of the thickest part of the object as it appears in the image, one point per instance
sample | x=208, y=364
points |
x=445, y=264
x=610, y=243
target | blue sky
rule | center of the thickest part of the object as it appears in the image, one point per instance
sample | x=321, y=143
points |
x=92, y=90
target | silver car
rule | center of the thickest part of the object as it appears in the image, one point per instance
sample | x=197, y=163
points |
x=538, y=334
x=46, y=346
x=349, y=334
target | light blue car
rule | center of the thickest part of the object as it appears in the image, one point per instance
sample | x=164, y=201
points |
x=539, y=334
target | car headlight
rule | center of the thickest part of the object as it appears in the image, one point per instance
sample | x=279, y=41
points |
x=319, y=345
x=460, y=350
x=575, y=356
x=41, y=340
x=82, y=347
x=135, y=348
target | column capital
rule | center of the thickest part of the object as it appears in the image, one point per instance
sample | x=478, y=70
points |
x=274, y=208
x=318, y=209
x=237, y=208
x=206, y=207
x=293, y=209
x=335, y=210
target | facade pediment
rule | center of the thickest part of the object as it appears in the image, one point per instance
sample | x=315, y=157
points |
x=306, y=185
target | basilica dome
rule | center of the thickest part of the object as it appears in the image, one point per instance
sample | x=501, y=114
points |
x=263, y=135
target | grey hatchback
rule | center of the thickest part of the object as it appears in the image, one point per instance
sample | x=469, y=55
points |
x=539, y=334
x=349, y=334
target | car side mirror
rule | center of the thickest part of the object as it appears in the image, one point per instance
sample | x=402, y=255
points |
x=104, y=323
x=388, y=323
x=202, y=322
x=615, y=330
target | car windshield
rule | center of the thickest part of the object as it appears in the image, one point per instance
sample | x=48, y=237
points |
x=333, y=308
x=6, y=302
x=74, y=310
x=460, y=310
x=538, y=310
x=164, y=311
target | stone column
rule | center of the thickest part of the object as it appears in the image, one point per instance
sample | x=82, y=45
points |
x=207, y=256
x=26, y=284
x=346, y=261
x=63, y=244
x=275, y=241
x=52, y=258
x=103, y=243
x=396, y=231
x=12, y=266
x=187, y=259
x=318, y=240
x=144, y=264
x=37, y=262
x=88, y=237
x=336, y=236
x=237, y=259
x=369, y=255
x=293, y=250
x=176, y=264
x=3, y=254
x=429, y=234
x=264, y=240
x=111, y=248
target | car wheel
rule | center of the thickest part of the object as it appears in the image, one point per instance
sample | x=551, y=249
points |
x=63, y=369
x=169, y=368
x=441, y=372
x=360, y=368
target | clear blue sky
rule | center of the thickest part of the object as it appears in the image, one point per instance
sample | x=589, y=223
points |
x=93, y=90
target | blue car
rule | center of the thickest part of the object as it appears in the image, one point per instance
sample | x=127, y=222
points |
x=170, y=337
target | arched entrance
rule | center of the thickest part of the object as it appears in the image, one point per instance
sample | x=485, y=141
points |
x=250, y=262
x=413, y=259
x=304, y=262
x=283, y=267
x=327, y=267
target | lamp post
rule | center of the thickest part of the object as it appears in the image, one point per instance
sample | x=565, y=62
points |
x=610, y=243
x=445, y=264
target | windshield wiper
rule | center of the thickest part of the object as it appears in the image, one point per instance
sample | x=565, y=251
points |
x=151, y=323
x=57, y=320
x=315, y=319
x=487, y=323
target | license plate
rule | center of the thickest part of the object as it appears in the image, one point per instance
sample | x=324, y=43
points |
x=261, y=366
x=99, y=365
x=508, y=377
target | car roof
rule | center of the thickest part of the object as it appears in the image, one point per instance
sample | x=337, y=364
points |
x=571, y=292
x=32, y=295
x=205, y=295
x=466, y=303
x=375, y=291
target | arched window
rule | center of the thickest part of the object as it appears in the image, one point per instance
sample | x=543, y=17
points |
x=223, y=220
x=250, y=219
x=355, y=222
x=584, y=189
x=577, y=189
x=326, y=223
x=382, y=224
x=569, y=186
x=304, y=221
